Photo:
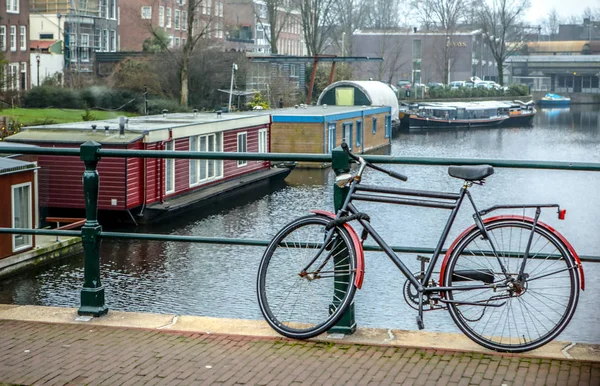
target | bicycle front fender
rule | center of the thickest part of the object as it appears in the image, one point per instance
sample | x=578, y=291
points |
x=360, y=253
x=530, y=220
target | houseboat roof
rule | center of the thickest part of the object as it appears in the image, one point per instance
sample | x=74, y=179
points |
x=9, y=165
x=324, y=113
x=152, y=128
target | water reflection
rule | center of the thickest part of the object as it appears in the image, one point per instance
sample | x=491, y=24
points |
x=217, y=280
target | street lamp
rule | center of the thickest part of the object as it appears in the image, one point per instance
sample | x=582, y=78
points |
x=233, y=70
x=343, y=41
x=38, y=58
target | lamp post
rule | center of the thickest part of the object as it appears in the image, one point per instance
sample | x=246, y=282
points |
x=38, y=58
x=343, y=42
x=233, y=69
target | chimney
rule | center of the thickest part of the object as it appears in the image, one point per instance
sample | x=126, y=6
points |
x=93, y=129
x=106, y=132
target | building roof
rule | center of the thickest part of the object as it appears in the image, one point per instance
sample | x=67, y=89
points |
x=324, y=113
x=379, y=93
x=574, y=46
x=150, y=128
x=9, y=165
x=41, y=44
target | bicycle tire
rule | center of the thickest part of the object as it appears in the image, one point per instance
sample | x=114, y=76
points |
x=530, y=316
x=303, y=307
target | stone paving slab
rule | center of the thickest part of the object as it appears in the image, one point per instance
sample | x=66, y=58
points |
x=84, y=354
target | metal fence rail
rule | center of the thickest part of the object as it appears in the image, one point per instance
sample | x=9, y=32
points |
x=92, y=293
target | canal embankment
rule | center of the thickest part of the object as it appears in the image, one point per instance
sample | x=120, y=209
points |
x=47, y=249
x=559, y=350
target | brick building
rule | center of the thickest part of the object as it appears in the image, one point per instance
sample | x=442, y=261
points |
x=14, y=44
x=139, y=17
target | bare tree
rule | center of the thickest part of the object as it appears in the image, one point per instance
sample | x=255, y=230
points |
x=550, y=24
x=390, y=48
x=500, y=21
x=383, y=14
x=316, y=23
x=195, y=28
x=349, y=15
x=275, y=14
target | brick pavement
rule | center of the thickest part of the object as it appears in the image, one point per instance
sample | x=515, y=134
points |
x=61, y=354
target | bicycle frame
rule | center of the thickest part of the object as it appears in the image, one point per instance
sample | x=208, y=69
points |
x=450, y=201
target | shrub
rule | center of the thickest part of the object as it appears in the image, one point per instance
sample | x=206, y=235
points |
x=156, y=105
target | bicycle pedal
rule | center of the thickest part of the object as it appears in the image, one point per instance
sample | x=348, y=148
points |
x=424, y=259
x=420, y=323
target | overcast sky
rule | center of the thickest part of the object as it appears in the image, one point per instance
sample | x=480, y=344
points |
x=565, y=8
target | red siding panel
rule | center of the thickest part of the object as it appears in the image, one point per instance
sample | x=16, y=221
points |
x=135, y=177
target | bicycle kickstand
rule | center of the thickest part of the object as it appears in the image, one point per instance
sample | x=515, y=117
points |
x=420, y=323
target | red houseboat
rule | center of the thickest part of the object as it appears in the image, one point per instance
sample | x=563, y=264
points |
x=148, y=188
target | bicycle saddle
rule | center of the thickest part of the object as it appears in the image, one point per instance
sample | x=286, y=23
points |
x=471, y=173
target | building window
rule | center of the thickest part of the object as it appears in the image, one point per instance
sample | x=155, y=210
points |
x=176, y=42
x=161, y=16
x=3, y=37
x=13, y=76
x=146, y=12
x=45, y=36
x=293, y=70
x=112, y=10
x=104, y=40
x=242, y=146
x=374, y=125
x=23, y=40
x=168, y=17
x=202, y=170
x=332, y=139
x=358, y=133
x=388, y=126
x=113, y=40
x=169, y=170
x=85, y=43
x=184, y=21
x=262, y=141
x=347, y=134
x=13, y=38
x=103, y=8
x=177, y=18
x=23, y=75
x=12, y=6
x=22, y=214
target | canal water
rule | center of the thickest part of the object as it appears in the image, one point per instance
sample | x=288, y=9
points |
x=219, y=281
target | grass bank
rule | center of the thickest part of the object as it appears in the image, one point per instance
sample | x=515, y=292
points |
x=31, y=117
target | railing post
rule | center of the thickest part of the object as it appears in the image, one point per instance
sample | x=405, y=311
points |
x=340, y=164
x=92, y=293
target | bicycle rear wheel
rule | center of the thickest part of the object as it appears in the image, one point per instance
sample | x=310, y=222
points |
x=506, y=314
x=303, y=305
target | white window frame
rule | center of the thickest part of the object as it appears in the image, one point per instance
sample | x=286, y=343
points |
x=184, y=25
x=177, y=41
x=213, y=169
x=12, y=6
x=146, y=12
x=168, y=17
x=177, y=21
x=27, y=239
x=13, y=74
x=24, y=72
x=263, y=141
x=3, y=37
x=105, y=40
x=242, y=147
x=13, y=37
x=23, y=38
x=85, y=43
x=112, y=38
x=169, y=169
x=161, y=16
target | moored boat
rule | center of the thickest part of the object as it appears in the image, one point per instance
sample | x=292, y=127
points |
x=458, y=116
x=554, y=100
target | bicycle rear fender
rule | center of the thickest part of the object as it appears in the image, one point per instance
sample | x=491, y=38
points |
x=540, y=224
x=360, y=253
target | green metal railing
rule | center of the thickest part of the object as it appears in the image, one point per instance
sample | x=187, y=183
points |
x=92, y=293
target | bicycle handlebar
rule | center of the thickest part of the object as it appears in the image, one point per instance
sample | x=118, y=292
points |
x=399, y=176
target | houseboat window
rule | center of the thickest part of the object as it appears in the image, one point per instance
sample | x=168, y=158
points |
x=347, y=134
x=22, y=213
x=332, y=139
x=388, y=126
x=201, y=170
x=374, y=125
x=169, y=170
x=262, y=141
x=358, y=132
x=242, y=142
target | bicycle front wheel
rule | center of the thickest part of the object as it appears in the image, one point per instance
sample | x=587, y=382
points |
x=507, y=312
x=300, y=303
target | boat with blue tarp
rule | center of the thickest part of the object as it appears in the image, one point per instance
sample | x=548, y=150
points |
x=554, y=100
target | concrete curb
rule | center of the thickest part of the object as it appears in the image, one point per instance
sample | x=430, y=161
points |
x=258, y=328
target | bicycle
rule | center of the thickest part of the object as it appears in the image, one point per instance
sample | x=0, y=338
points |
x=510, y=282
